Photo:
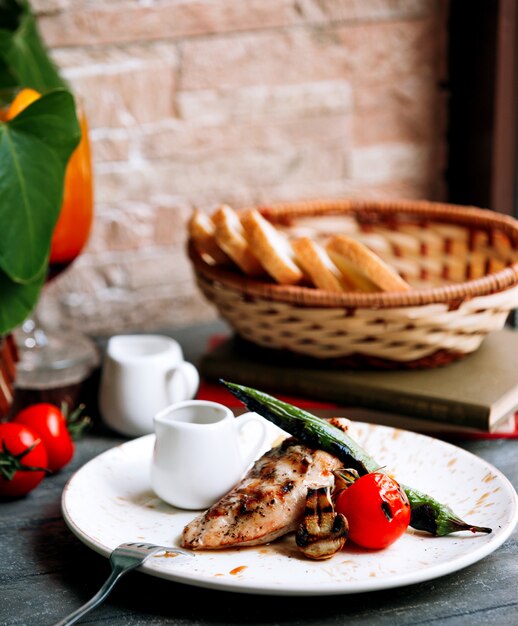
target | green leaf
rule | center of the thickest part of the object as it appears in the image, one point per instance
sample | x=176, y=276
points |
x=53, y=120
x=7, y=79
x=17, y=301
x=34, y=150
x=23, y=51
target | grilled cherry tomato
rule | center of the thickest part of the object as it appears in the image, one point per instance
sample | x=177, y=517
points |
x=23, y=460
x=51, y=425
x=377, y=510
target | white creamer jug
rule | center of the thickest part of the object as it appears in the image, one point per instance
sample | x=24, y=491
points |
x=141, y=375
x=199, y=455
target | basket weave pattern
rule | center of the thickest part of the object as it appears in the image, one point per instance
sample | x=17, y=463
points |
x=461, y=262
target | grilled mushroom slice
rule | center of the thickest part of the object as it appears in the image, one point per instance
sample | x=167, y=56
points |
x=323, y=532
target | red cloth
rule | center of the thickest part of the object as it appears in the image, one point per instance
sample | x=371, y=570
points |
x=217, y=393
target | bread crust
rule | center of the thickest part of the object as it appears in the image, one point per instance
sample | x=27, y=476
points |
x=230, y=237
x=348, y=253
x=271, y=248
x=202, y=232
x=318, y=266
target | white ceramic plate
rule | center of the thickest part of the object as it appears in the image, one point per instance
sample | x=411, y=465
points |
x=110, y=501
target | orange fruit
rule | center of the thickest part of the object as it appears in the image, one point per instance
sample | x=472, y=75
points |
x=75, y=219
x=23, y=99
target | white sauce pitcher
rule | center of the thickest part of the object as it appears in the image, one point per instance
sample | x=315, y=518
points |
x=141, y=375
x=199, y=454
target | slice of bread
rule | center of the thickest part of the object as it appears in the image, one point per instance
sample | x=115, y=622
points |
x=357, y=279
x=271, y=248
x=362, y=266
x=230, y=237
x=202, y=232
x=318, y=266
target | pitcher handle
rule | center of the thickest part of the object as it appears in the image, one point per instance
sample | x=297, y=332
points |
x=240, y=422
x=182, y=382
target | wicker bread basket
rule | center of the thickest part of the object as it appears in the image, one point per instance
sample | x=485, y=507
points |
x=461, y=262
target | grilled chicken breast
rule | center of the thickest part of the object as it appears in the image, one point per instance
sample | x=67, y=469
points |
x=267, y=503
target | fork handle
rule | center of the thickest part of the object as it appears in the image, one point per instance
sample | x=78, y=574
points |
x=101, y=595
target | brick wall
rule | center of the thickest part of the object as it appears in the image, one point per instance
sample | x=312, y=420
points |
x=197, y=102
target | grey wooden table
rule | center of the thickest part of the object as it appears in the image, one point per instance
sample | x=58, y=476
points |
x=45, y=572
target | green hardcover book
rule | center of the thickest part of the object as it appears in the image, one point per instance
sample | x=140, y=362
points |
x=480, y=391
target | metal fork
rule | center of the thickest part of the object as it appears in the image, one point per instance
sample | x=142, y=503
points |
x=126, y=557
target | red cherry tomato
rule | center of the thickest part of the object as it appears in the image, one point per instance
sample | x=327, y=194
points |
x=22, y=459
x=51, y=425
x=377, y=510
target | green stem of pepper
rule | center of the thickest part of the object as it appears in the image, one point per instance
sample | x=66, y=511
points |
x=427, y=514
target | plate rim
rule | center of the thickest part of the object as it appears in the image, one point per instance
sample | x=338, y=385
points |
x=238, y=586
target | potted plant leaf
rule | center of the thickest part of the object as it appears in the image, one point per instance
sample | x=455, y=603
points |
x=35, y=147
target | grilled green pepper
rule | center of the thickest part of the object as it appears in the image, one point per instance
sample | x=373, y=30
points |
x=427, y=514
